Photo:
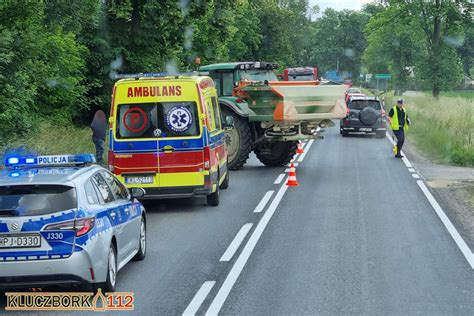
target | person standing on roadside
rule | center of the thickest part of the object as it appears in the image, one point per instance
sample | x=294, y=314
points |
x=399, y=123
x=99, y=132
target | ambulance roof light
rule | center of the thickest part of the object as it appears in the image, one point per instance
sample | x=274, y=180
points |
x=157, y=75
x=52, y=160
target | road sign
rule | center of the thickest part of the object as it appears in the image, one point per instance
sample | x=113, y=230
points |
x=368, y=77
x=383, y=76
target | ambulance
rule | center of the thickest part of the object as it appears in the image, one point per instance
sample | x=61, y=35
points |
x=167, y=137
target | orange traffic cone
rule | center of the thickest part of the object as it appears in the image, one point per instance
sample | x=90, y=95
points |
x=292, y=182
x=300, y=149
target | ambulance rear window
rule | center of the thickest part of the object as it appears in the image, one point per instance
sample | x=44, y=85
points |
x=157, y=120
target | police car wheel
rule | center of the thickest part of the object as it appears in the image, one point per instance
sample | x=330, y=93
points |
x=109, y=284
x=142, y=242
x=213, y=198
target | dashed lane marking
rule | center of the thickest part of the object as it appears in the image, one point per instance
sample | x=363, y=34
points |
x=279, y=179
x=200, y=296
x=235, y=244
x=263, y=202
x=239, y=265
x=306, y=150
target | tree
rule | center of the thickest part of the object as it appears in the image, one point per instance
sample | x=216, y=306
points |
x=339, y=40
x=392, y=47
x=437, y=20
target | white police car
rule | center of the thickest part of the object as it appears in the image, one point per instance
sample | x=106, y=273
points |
x=65, y=221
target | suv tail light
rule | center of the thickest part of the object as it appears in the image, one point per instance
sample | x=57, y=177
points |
x=383, y=112
x=81, y=226
x=207, y=158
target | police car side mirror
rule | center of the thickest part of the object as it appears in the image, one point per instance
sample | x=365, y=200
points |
x=137, y=193
x=229, y=123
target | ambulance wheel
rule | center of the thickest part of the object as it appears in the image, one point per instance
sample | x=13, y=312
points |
x=238, y=141
x=276, y=154
x=142, y=242
x=225, y=183
x=111, y=282
x=213, y=198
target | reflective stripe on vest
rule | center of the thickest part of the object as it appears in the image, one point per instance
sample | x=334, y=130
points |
x=394, y=125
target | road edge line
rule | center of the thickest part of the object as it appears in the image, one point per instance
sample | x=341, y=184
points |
x=466, y=251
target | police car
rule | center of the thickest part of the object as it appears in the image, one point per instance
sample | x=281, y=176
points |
x=66, y=221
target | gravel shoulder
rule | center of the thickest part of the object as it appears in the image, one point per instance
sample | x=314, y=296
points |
x=452, y=186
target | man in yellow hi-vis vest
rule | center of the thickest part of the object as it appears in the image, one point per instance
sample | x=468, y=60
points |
x=399, y=123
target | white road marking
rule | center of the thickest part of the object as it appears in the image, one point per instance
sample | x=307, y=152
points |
x=411, y=169
x=263, y=202
x=235, y=244
x=295, y=164
x=447, y=223
x=306, y=150
x=415, y=175
x=279, y=179
x=287, y=170
x=405, y=159
x=239, y=265
x=200, y=296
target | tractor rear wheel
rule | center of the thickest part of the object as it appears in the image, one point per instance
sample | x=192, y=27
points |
x=276, y=154
x=238, y=141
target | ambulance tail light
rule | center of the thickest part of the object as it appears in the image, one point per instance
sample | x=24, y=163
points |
x=207, y=158
x=80, y=226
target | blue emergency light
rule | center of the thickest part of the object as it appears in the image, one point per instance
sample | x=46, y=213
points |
x=52, y=160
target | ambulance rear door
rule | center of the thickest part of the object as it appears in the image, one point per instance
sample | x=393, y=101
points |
x=136, y=146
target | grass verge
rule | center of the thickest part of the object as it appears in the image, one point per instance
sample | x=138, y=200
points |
x=443, y=128
x=48, y=139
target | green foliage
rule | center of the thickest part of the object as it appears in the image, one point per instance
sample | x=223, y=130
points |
x=339, y=41
x=422, y=36
x=442, y=128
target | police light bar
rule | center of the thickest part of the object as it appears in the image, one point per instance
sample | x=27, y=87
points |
x=53, y=160
x=156, y=75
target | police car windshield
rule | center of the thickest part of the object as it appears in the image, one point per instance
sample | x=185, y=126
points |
x=258, y=75
x=32, y=200
x=157, y=120
x=361, y=104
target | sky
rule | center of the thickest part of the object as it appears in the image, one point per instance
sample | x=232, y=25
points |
x=339, y=4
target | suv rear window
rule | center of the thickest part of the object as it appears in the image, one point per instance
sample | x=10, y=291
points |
x=361, y=104
x=32, y=200
x=154, y=120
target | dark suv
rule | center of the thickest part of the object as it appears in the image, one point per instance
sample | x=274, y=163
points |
x=364, y=115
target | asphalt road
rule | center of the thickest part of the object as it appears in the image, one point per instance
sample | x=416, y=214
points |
x=358, y=236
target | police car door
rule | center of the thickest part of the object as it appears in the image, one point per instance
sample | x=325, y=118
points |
x=130, y=216
x=115, y=213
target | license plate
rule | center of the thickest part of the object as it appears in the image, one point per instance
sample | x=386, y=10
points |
x=20, y=241
x=139, y=180
x=365, y=129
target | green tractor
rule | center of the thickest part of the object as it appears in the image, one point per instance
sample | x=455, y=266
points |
x=271, y=116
